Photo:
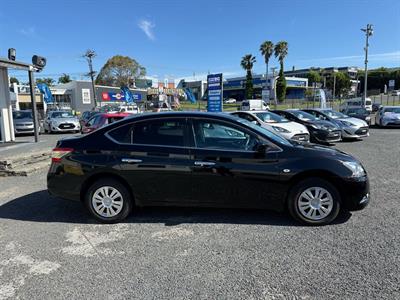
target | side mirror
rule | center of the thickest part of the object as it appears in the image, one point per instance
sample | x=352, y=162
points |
x=261, y=149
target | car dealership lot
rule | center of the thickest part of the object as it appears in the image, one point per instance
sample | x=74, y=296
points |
x=52, y=249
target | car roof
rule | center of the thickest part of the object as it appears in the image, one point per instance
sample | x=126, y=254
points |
x=111, y=115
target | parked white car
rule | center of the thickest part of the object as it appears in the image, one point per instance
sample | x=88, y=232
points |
x=254, y=104
x=388, y=116
x=230, y=101
x=276, y=123
x=61, y=121
x=396, y=93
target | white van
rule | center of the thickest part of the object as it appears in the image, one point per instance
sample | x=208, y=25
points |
x=254, y=104
x=356, y=103
x=130, y=109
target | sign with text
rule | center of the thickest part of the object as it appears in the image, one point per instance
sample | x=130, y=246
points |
x=215, y=93
x=116, y=96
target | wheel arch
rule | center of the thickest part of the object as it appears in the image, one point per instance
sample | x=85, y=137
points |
x=101, y=175
x=319, y=174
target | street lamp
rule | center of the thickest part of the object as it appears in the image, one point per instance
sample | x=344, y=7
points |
x=368, y=32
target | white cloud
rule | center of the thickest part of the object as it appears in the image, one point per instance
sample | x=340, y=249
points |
x=147, y=27
x=378, y=57
x=30, y=31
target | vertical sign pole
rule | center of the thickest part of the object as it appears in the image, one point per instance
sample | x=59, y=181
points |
x=34, y=108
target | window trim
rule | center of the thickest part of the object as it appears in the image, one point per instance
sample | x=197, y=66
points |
x=191, y=142
x=185, y=140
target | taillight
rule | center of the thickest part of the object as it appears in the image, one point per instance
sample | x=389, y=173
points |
x=59, y=153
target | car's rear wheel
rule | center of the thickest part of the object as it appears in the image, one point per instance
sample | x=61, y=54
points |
x=108, y=200
x=314, y=201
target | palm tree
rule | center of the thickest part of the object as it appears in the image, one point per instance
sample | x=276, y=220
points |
x=281, y=51
x=247, y=63
x=267, y=49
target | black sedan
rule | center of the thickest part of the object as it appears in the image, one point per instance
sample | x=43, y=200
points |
x=321, y=131
x=203, y=159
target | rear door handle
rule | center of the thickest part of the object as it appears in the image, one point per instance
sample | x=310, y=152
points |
x=131, y=160
x=204, y=163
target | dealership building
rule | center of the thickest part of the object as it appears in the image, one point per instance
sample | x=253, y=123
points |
x=76, y=95
x=235, y=87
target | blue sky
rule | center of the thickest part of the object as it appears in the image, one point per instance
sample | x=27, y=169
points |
x=176, y=38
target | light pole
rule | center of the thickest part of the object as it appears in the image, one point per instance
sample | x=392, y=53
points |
x=89, y=55
x=368, y=32
x=273, y=69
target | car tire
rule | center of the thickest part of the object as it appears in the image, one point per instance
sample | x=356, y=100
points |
x=101, y=205
x=314, y=201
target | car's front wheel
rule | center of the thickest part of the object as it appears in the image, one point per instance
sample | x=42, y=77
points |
x=108, y=200
x=314, y=201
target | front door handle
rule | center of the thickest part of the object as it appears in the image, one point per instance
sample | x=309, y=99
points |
x=204, y=163
x=131, y=160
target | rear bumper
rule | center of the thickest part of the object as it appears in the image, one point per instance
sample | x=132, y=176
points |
x=62, y=184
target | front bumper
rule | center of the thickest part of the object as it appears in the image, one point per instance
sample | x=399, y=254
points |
x=23, y=130
x=355, y=132
x=64, y=127
x=325, y=136
x=355, y=193
x=391, y=122
x=302, y=137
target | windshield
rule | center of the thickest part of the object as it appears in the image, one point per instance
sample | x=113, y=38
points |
x=22, y=115
x=62, y=114
x=269, y=117
x=395, y=110
x=303, y=115
x=263, y=131
x=334, y=114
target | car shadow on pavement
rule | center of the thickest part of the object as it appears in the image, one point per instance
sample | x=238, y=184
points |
x=41, y=207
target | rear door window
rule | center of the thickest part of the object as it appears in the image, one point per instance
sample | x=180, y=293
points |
x=160, y=132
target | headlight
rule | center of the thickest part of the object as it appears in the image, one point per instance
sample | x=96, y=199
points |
x=317, y=126
x=280, y=129
x=346, y=123
x=355, y=168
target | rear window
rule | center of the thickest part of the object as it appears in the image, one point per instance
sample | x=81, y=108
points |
x=169, y=132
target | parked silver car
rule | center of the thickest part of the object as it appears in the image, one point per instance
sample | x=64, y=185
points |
x=352, y=128
x=61, y=121
x=23, y=122
x=388, y=116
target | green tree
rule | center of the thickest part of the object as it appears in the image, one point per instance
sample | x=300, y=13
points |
x=47, y=80
x=281, y=51
x=247, y=63
x=14, y=80
x=267, y=49
x=313, y=77
x=342, y=84
x=120, y=71
x=64, y=78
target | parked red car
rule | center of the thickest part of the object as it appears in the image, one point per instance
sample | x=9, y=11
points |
x=102, y=119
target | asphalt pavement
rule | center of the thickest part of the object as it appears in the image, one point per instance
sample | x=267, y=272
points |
x=52, y=249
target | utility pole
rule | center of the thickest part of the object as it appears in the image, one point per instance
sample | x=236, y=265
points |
x=334, y=85
x=33, y=103
x=368, y=32
x=89, y=55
